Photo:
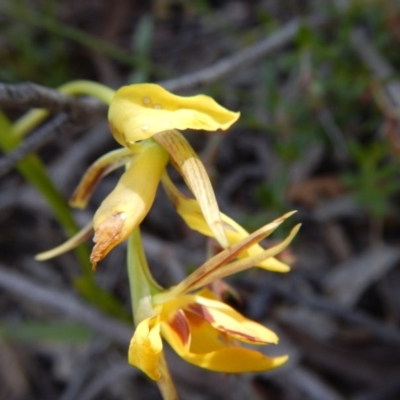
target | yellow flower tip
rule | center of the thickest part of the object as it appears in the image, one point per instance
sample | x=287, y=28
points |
x=139, y=111
x=108, y=234
x=273, y=264
x=279, y=361
x=84, y=234
x=285, y=216
x=146, y=347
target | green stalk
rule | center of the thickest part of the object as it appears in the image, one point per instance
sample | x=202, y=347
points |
x=143, y=287
x=141, y=282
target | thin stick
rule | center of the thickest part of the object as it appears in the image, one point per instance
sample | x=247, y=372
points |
x=64, y=303
x=28, y=95
x=246, y=56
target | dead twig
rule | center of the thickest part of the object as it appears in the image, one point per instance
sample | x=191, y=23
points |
x=30, y=95
x=246, y=56
x=60, y=125
x=388, y=388
x=64, y=303
x=377, y=64
x=387, y=334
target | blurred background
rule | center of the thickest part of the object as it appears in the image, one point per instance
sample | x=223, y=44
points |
x=318, y=88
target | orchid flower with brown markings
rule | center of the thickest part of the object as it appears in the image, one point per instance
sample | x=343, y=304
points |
x=144, y=119
x=201, y=329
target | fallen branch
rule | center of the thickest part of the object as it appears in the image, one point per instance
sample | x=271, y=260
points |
x=66, y=304
x=30, y=95
x=244, y=57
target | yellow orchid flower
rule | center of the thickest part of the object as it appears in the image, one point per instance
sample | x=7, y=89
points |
x=201, y=329
x=158, y=113
x=189, y=210
x=204, y=332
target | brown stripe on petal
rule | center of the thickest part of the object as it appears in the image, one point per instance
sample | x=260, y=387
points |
x=239, y=335
x=180, y=325
x=200, y=311
x=86, y=187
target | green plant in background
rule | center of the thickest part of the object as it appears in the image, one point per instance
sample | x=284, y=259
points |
x=375, y=178
x=319, y=93
x=30, y=52
x=142, y=41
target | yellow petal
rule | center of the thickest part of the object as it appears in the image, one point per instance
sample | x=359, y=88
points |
x=146, y=347
x=97, y=171
x=189, y=210
x=227, y=320
x=193, y=171
x=126, y=206
x=223, y=318
x=139, y=111
x=206, y=352
x=84, y=234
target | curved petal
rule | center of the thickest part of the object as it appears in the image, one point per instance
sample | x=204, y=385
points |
x=97, y=171
x=84, y=234
x=195, y=175
x=222, y=318
x=217, y=356
x=234, y=267
x=146, y=347
x=139, y=111
x=190, y=212
x=127, y=205
x=220, y=266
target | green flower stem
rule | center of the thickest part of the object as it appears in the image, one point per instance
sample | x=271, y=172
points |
x=82, y=87
x=143, y=287
x=141, y=283
x=27, y=122
x=165, y=383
